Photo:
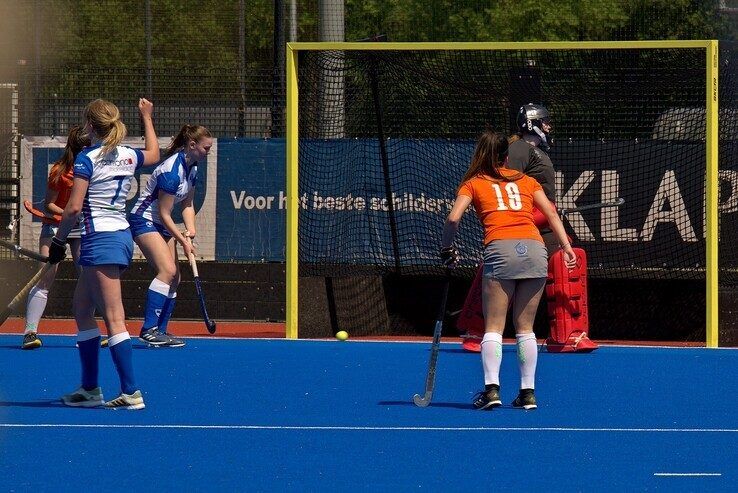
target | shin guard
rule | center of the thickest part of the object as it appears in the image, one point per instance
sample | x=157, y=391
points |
x=566, y=297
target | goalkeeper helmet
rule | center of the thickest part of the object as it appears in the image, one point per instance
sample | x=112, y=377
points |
x=531, y=119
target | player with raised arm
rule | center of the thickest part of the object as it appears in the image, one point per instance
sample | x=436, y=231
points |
x=515, y=259
x=156, y=233
x=57, y=195
x=102, y=179
x=528, y=153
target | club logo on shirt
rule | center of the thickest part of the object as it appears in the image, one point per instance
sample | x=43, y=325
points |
x=115, y=162
x=521, y=249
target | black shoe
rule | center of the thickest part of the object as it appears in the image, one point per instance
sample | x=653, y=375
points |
x=487, y=399
x=526, y=399
x=173, y=341
x=153, y=337
x=31, y=341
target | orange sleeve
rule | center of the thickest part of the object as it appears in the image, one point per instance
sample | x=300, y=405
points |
x=467, y=189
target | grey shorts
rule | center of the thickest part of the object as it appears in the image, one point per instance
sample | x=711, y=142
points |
x=515, y=259
x=48, y=230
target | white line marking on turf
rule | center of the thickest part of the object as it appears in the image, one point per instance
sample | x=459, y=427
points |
x=372, y=428
x=687, y=474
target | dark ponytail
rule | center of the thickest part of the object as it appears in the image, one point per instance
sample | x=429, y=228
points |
x=185, y=135
x=76, y=141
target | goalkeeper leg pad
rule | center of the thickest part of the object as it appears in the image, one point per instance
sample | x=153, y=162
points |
x=566, y=297
x=471, y=319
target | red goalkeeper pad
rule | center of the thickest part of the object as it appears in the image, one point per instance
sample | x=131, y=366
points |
x=46, y=216
x=566, y=297
x=471, y=319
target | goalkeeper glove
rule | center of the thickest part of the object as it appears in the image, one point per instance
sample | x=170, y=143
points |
x=449, y=256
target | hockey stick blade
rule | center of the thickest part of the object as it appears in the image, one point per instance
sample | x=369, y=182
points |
x=430, y=380
x=422, y=401
x=602, y=205
x=23, y=251
x=40, y=214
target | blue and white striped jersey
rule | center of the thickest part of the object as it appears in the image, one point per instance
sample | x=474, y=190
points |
x=173, y=177
x=109, y=176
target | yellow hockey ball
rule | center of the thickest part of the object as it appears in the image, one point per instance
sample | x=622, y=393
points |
x=341, y=335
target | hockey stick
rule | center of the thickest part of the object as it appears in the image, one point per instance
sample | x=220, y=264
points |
x=209, y=324
x=430, y=379
x=23, y=293
x=23, y=251
x=620, y=201
x=43, y=215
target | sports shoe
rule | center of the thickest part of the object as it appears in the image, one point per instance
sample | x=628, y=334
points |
x=84, y=398
x=132, y=401
x=173, y=341
x=31, y=341
x=487, y=399
x=154, y=337
x=526, y=399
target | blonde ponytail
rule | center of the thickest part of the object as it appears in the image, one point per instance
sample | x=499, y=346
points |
x=104, y=117
x=115, y=136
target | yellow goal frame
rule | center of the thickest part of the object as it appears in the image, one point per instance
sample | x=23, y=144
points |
x=711, y=157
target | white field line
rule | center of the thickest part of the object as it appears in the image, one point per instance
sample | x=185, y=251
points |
x=372, y=428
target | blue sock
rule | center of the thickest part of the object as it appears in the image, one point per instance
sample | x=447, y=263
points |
x=166, y=312
x=121, y=350
x=88, y=341
x=156, y=298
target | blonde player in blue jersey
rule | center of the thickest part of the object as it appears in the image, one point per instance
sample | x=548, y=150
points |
x=102, y=179
x=156, y=233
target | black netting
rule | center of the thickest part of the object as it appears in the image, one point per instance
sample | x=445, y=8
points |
x=400, y=126
x=728, y=201
x=628, y=124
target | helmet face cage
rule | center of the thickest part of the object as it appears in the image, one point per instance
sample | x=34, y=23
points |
x=531, y=116
x=531, y=119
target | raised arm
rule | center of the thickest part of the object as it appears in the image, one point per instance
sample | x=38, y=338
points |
x=151, y=150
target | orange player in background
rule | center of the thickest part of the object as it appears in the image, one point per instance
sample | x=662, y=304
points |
x=57, y=195
x=515, y=259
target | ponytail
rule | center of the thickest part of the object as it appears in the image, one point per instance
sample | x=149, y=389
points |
x=186, y=134
x=104, y=117
x=76, y=141
x=115, y=136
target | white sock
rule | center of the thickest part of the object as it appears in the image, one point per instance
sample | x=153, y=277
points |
x=491, y=357
x=118, y=338
x=35, y=307
x=527, y=360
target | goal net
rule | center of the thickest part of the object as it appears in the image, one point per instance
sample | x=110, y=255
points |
x=385, y=132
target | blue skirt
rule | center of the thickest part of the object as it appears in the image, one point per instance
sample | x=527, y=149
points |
x=140, y=225
x=107, y=248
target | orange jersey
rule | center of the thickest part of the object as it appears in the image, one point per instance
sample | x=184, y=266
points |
x=505, y=208
x=64, y=188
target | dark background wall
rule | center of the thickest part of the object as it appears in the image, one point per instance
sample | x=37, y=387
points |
x=619, y=309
